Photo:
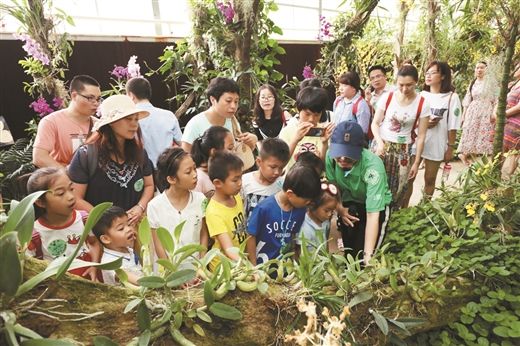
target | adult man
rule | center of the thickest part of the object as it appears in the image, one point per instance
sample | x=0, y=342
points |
x=62, y=132
x=360, y=175
x=161, y=128
x=378, y=86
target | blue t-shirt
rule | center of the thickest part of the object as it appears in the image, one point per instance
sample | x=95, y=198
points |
x=274, y=228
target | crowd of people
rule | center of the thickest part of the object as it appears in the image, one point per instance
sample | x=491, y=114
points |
x=357, y=162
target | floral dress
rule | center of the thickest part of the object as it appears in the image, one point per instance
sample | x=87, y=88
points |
x=512, y=128
x=477, y=129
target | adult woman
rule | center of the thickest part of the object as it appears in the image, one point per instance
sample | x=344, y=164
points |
x=114, y=166
x=443, y=123
x=269, y=116
x=477, y=128
x=398, y=115
x=350, y=104
x=512, y=128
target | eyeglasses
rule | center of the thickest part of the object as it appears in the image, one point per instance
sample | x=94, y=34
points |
x=346, y=159
x=330, y=188
x=377, y=76
x=266, y=98
x=431, y=73
x=92, y=99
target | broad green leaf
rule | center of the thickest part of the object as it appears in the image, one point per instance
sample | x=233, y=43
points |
x=177, y=319
x=166, y=264
x=188, y=250
x=208, y=257
x=381, y=321
x=360, y=298
x=101, y=340
x=165, y=238
x=18, y=215
x=501, y=331
x=93, y=218
x=151, y=281
x=180, y=277
x=10, y=266
x=177, y=231
x=209, y=296
x=26, y=332
x=132, y=304
x=46, y=342
x=225, y=311
x=145, y=233
x=165, y=318
x=204, y=316
x=144, y=338
x=143, y=316
x=198, y=329
x=55, y=265
x=179, y=338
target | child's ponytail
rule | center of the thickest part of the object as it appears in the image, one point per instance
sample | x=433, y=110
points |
x=213, y=138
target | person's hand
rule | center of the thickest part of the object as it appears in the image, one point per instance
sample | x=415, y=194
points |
x=91, y=273
x=368, y=94
x=328, y=132
x=380, y=148
x=135, y=215
x=302, y=130
x=493, y=117
x=248, y=139
x=448, y=155
x=432, y=122
x=413, y=171
x=347, y=218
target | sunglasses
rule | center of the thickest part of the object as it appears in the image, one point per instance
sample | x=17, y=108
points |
x=331, y=188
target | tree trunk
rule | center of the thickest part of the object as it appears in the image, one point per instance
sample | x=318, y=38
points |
x=404, y=9
x=266, y=318
x=432, y=8
x=501, y=107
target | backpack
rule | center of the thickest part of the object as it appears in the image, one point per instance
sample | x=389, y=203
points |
x=419, y=110
x=355, y=107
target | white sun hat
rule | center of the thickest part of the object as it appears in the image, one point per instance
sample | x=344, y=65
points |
x=115, y=108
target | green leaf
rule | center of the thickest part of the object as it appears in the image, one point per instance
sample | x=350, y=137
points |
x=46, y=342
x=225, y=311
x=501, y=331
x=204, y=316
x=93, y=218
x=381, y=321
x=177, y=231
x=132, y=304
x=18, y=216
x=145, y=233
x=104, y=341
x=151, y=281
x=263, y=287
x=165, y=238
x=177, y=320
x=360, y=298
x=144, y=338
x=166, y=264
x=143, y=316
x=198, y=329
x=10, y=266
x=26, y=332
x=180, y=277
x=209, y=296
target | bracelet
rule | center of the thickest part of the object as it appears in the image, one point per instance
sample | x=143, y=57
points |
x=452, y=145
x=140, y=206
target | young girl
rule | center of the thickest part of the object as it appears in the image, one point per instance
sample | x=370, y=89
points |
x=215, y=139
x=58, y=227
x=316, y=226
x=178, y=202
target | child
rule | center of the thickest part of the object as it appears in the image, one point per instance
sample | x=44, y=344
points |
x=117, y=237
x=276, y=221
x=58, y=227
x=316, y=226
x=305, y=134
x=225, y=211
x=267, y=181
x=178, y=202
x=215, y=139
x=310, y=160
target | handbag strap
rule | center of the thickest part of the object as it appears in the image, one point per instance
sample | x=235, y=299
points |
x=236, y=127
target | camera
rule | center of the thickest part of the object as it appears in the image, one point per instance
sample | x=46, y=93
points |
x=315, y=132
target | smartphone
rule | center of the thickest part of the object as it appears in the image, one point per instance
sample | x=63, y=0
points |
x=315, y=132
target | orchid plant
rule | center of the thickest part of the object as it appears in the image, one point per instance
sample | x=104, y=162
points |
x=120, y=75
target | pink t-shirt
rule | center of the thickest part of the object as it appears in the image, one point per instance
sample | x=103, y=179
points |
x=204, y=183
x=60, y=136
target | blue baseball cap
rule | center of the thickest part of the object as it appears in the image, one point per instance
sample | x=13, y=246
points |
x=348, y=139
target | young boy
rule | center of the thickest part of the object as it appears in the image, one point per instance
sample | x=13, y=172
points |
x=225, y=210
x=276, y=221
x=267, y=181
x=118, y=238
x=304, y=134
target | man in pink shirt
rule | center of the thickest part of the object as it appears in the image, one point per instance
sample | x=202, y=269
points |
x=62, y=132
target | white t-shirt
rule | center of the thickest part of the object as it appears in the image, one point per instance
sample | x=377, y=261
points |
x=198, y=125
x=310, y=230
x=161, y=213
x=436, y=142
x=398, y=123
x=253, y=192
x=130, y=264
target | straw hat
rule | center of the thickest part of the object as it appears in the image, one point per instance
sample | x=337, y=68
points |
x=117, y=107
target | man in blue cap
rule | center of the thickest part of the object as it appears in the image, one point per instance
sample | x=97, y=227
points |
x=361, y=178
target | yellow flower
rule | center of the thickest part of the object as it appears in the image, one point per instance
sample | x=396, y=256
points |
x=483, y=196
x=489, y=206
x=477, y=172
x=470, y=209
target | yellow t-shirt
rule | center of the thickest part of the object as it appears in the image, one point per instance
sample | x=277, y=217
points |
x=307, y=143
x=222, y=219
